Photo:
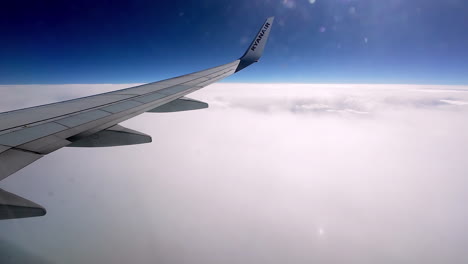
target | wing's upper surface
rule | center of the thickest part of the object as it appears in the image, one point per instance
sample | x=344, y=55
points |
x=28, y=134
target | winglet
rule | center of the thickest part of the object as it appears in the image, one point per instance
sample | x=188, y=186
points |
x=255, y=50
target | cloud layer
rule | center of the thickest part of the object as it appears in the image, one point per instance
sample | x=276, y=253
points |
x=270, y=173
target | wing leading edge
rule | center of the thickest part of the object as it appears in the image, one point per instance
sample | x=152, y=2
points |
x=28, y=134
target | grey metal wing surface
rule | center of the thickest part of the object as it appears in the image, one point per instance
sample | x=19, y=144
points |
x=28, y=134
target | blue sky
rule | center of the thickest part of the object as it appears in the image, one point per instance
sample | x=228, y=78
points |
x=322, y=41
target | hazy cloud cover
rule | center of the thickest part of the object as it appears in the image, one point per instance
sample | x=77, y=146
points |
x=270, y=173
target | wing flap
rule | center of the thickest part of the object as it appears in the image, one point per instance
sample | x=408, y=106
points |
x=82, y=118
x=13, y=160
x=45, y=145
x=120, y=107
x=22, y=117
x=28, y=134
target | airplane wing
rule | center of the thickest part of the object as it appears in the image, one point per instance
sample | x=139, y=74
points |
x=27, y=135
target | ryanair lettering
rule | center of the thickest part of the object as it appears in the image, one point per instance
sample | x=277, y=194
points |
x=260, y=36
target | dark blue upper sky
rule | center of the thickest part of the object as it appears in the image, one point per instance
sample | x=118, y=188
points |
x=332, y=41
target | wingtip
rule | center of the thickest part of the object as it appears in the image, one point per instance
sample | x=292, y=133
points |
x=255, y=50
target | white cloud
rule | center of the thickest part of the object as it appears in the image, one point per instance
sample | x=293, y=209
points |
x=270, y=173
x=454, y=102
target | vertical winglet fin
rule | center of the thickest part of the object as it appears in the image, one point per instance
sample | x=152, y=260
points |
x=255, y=50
